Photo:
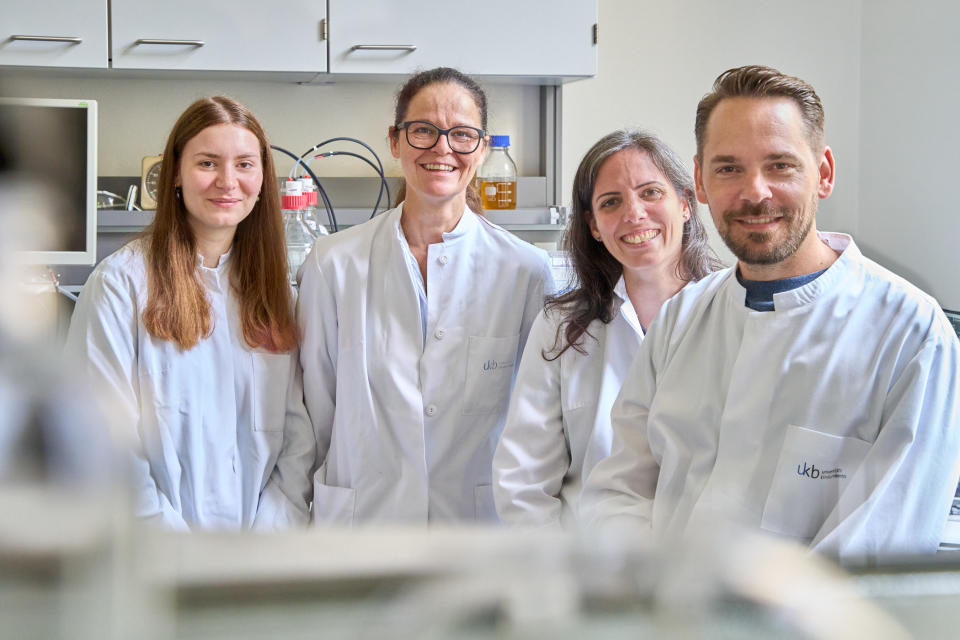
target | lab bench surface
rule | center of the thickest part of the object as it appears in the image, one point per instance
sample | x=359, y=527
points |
x=470, y=582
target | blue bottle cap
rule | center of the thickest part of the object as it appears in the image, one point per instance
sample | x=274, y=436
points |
x=499, y=141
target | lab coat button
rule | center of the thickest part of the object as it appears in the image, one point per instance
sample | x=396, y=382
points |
x=439, y=333
x=431, y=409
x=444, y=259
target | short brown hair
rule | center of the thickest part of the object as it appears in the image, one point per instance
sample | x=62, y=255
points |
x=755, y=81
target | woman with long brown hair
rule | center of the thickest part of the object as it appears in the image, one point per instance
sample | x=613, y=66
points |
x=189, y=330
x=634, y=241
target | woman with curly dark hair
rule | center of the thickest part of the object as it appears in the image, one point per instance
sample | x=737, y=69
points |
x=634, y=241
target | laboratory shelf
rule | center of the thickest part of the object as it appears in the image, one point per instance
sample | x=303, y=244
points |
x=526, y=219
x=122, y=221
x=531, y=216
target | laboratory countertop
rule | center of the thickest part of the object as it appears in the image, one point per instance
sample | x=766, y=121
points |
x=464, y=582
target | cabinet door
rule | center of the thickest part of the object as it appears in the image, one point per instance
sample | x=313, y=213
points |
x=53, y=33
x=243, y=35
x=494, y=37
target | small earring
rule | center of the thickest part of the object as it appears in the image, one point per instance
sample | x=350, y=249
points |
x=597, y=237
x=179, y=193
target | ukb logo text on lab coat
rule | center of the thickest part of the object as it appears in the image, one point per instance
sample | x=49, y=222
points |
x=493, y=365
x=811, y=471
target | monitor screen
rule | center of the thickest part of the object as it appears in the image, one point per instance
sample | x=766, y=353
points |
x=50, y=152
x=954, y=318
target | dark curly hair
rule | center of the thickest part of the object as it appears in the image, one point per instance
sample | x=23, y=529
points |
x=596, y=270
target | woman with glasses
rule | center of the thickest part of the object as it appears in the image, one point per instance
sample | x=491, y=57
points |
x=634, y=240
x=412, y=328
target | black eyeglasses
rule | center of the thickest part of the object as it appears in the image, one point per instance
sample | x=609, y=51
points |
x=424, y=135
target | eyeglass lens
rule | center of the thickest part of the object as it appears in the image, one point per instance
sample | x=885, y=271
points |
x=423, y=135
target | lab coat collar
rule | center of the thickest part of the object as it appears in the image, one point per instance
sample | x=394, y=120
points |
x=215, y=277
x=467, y=223
x=414, y=268
x=836, y=275
x=220, y=264
x=626, y=307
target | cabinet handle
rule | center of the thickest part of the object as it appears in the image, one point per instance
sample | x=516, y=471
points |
x=182, y=43
x=70, y=39
x=383, y=47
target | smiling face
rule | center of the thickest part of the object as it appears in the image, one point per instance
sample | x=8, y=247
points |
x=220, y=176
x=762, y=181
x=637, y=214
x=438, y=174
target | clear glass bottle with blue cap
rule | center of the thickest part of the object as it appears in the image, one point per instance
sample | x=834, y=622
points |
x=498, y=176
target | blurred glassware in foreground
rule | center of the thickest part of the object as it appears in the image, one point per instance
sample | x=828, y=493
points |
x=64, y=535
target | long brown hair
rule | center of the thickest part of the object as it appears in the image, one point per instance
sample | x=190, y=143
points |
x=411, y=88
x=177, y=306
x=595, y=269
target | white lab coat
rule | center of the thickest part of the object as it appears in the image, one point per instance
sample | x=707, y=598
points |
x=406, y=425
x=833, y=421
x=558, y=425
x=219, y=433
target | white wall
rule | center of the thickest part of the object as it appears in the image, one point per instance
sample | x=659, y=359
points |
x=909, y=137
x=657, y=59
x=136, y=114
x=888, y=73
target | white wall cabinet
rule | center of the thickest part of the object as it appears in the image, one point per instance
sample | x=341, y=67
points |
x=53, y=33
x=245, y=35
x=535, y=41
x=491, y=38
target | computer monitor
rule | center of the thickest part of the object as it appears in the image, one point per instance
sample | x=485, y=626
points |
x=50, y=153
x=954, y=318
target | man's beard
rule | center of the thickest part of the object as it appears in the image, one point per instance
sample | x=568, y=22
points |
x=754, y=247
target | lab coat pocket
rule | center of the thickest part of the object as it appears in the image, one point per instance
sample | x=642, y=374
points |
x=271, y=376
x=811, y=473
x=169, y=424
x=160, y=387
x=485, y=509
x=491, y=363
x=578, y=392
x=333, y=506
x=166, y=409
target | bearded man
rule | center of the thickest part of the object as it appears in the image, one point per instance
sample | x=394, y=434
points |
x=807, y=391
